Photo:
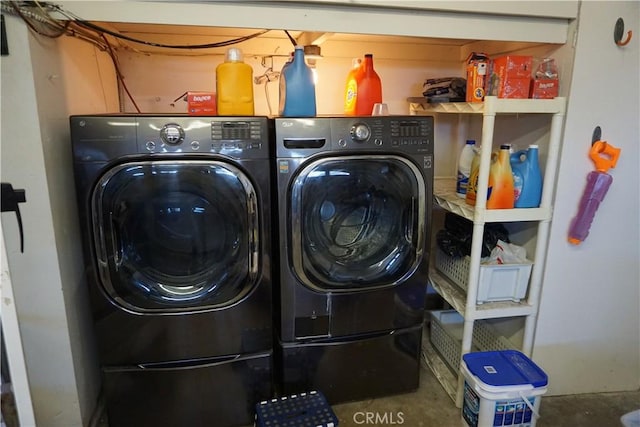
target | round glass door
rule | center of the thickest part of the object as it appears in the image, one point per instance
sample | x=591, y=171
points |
x=176, y=236
x=356, y=222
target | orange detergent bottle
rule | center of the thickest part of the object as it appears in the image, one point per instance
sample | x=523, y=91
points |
x=351, y=88
x=369, y=87
x=500, y=194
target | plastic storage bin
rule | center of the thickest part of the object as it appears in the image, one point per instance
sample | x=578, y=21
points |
x=501, y=388
x=446, y=337
x=296, y=410
x=504, y=282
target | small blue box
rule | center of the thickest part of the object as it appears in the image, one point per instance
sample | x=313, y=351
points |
x=296, y=410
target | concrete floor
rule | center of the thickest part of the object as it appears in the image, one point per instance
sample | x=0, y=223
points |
x=431, y=406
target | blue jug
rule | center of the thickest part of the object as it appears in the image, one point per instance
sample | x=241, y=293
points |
x=297, y=89
x=527, y=178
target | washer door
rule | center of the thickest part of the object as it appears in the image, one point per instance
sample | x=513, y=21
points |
x=175, y=236
x=357, y=222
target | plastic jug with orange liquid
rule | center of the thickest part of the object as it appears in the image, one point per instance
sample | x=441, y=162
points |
x=351, y=88
x=369, y=87
x=500, y=194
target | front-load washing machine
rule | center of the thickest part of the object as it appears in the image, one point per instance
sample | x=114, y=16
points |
x=354, y=205
x=176, y=222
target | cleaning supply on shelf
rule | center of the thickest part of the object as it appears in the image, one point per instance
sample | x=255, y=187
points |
x=234, y=85
x=351, y=88
x=477, y=69
x=297, y=89
x=500, y=193
x=472, y=185
x=281, y=81
x=369, y=87
x=464, y=167
x=527, y=178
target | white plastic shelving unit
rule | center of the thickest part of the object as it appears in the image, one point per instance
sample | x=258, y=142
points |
x=444, y=194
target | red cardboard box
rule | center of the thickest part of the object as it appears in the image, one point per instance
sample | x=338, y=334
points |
x=512, y=87
x=544, y=88
x=201, y=104
x=518, y=66
x=510, y=76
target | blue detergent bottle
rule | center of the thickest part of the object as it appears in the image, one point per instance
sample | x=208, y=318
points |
x=297, y=88
x=527, y=178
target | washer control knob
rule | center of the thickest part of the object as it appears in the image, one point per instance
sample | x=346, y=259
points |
x=360, y=132
x=150, y=145
x=195, y=145
x=377, y=141
x=342, y=143
x=172, y=134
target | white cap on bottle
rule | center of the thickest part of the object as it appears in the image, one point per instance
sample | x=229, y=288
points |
x=234, y=55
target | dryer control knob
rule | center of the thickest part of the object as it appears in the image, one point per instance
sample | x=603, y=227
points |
x=360, y=132
x=172, y=134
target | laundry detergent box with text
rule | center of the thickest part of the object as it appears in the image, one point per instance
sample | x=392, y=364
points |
x=477, y=67
x=201, y=104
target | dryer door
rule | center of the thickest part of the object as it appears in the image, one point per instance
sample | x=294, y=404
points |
x=175, y=236
x=357, y=222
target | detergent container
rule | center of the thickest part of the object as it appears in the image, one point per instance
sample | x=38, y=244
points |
x=501, y=388
x=472, y=185
x=234, y=86
x=281, y=82
x=500, y=193
x=297, y=90
x=351, y=88
x=527, y=178
x=369, y=90
x=464, y=167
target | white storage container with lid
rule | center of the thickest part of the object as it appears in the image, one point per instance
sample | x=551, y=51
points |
x=501, y=388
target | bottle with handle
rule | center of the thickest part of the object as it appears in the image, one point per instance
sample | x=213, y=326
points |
x=369, y=87
x=234, y=85
x=464, y=167
x=472, y=184
x=351, y=88
x=527, y=178
x=500, y=193
x=604, y=156
x=297, y=89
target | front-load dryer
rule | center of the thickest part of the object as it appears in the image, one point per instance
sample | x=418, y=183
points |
x=176, y=222
x=354, y=206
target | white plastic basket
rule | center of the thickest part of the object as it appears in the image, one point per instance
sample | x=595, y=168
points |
x=446, y=337
x=504, y=282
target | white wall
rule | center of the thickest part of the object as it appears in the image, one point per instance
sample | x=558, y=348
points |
x=41, y=87
x=588, y=334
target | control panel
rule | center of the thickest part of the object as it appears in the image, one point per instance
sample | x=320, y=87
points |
x=375, y=133
x=235, y=137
